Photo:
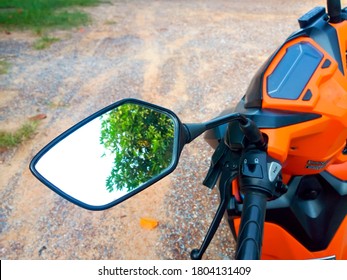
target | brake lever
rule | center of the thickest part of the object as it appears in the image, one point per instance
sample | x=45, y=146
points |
x=228, y=168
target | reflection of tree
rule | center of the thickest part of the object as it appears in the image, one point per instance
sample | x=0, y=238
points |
x=141, y=141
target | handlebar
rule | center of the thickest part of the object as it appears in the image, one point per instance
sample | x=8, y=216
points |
x=250, y=236
x=258, y=175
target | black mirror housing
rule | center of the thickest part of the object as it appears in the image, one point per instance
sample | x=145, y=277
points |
x=111, y=155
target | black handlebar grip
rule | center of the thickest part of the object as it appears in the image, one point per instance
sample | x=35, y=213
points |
x=250, y=236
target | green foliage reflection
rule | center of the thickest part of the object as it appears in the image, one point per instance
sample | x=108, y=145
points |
x=141, y=141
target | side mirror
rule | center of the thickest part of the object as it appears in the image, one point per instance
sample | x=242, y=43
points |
x=112, y=155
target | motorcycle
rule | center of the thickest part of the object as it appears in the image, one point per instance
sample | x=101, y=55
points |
x=280, y=157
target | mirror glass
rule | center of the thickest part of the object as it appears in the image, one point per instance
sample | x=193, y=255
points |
x=112, y=155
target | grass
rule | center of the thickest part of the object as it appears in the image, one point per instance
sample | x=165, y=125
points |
x=4, y=67
x=13, y=139
x=44, y=42
x=43, y=14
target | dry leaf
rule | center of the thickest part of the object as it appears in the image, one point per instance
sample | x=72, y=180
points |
x=148, y=223
x=38, y=117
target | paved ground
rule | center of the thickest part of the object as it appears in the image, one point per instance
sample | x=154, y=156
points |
x=194, y=57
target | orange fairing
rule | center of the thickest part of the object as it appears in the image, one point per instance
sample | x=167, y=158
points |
x=309, y=147
x=279, y=244
x=339, y=171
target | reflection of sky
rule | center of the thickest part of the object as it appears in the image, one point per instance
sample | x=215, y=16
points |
x=76, y=166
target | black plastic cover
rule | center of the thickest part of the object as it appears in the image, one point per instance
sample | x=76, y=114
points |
x=311, y=16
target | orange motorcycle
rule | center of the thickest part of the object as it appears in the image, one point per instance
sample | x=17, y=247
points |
x=280, y=158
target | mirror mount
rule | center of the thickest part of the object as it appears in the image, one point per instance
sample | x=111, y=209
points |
x=194, y=130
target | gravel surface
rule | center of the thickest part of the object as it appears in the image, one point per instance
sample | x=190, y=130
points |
x=193, y=57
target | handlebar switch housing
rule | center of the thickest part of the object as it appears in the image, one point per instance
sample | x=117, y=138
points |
x=258, y=172
x=258, y=176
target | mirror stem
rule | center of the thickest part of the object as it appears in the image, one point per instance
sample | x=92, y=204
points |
x=193, y=130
